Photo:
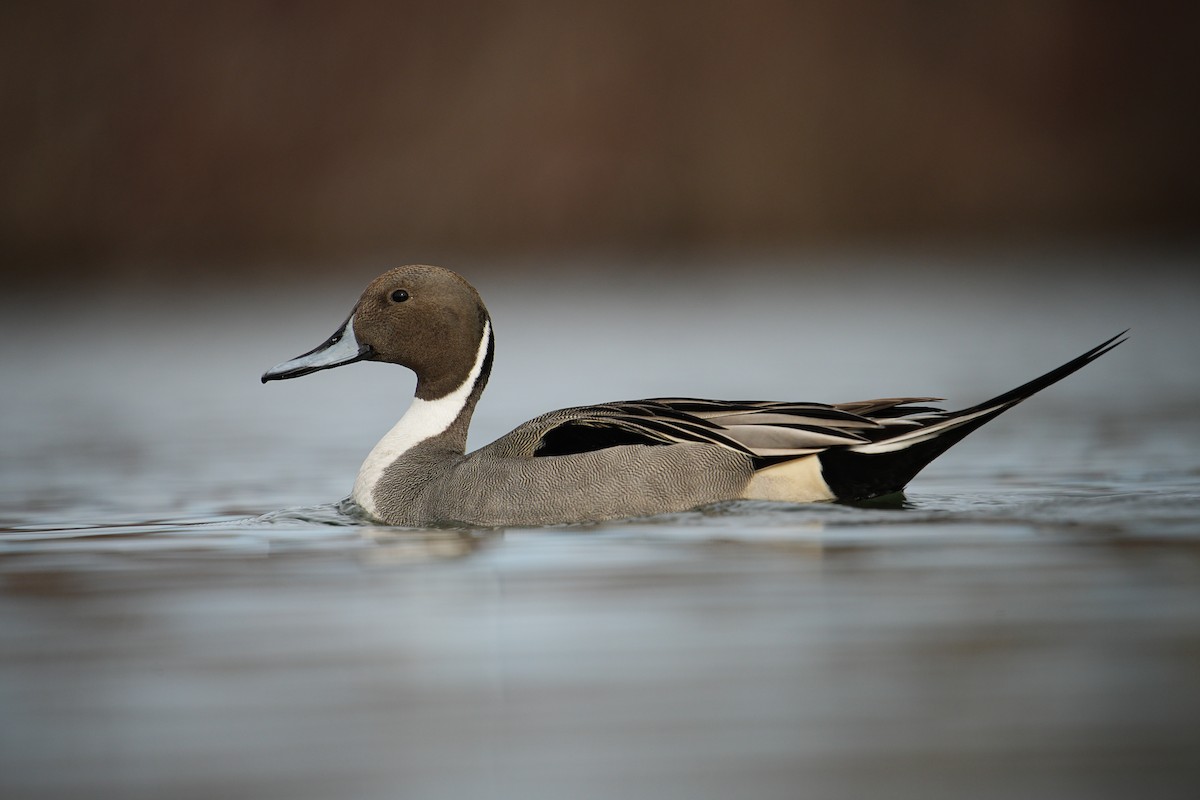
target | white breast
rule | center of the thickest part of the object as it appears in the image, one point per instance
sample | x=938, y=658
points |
x=423, y=420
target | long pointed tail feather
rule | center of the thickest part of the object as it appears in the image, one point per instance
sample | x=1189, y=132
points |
x=1026, y=390
x=869, y=470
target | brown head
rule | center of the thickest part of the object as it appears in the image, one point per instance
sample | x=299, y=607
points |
x=422, y=317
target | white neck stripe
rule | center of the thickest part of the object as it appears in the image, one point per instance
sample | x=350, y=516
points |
x=423, y=420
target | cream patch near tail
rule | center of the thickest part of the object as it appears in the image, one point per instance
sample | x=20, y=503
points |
x=797, y=481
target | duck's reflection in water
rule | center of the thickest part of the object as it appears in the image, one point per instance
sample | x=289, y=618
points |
x=394, y=546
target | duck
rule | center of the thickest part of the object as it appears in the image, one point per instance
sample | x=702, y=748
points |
x=612, y=460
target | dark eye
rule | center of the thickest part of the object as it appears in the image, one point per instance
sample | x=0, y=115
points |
x=399, y=296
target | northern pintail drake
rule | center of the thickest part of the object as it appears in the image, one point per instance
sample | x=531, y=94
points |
x=611, y=460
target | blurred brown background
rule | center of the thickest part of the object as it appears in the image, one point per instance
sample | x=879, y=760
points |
x=200, y=137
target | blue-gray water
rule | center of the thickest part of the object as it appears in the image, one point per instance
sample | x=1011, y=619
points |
x=185, y=613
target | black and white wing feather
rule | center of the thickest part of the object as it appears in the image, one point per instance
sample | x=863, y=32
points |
x=766, y=432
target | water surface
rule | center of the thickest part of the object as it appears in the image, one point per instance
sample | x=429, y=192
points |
x=185, y=610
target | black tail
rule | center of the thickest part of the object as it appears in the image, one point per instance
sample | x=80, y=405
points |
x=860, y=472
